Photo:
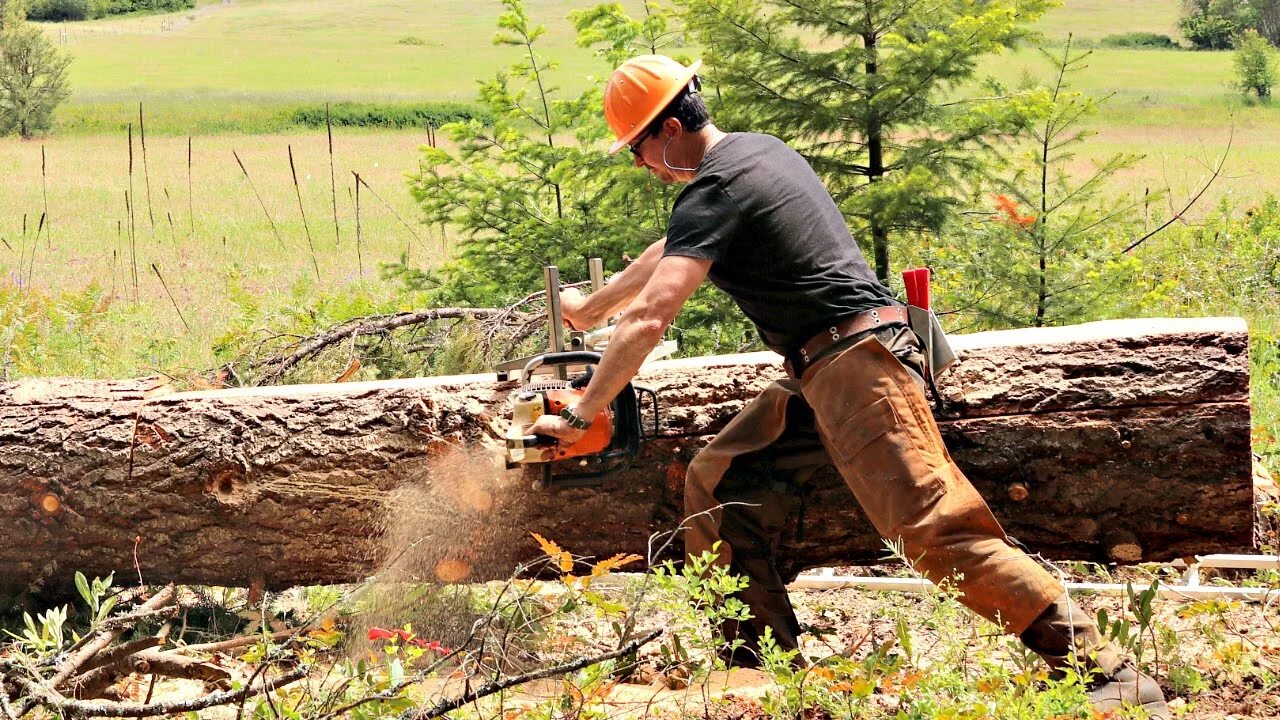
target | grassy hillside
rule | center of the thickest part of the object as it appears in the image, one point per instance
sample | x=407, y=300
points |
x=236, y=66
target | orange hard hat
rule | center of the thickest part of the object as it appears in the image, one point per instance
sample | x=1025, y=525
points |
x=638, y=90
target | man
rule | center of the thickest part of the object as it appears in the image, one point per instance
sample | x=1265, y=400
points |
x=756, y=220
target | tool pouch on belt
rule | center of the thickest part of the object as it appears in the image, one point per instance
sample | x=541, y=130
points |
x=924, y=323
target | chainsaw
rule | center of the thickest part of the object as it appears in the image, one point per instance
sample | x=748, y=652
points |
x=608, y=445
x=546, y=387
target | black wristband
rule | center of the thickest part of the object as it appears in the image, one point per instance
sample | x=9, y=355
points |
x=575, y=420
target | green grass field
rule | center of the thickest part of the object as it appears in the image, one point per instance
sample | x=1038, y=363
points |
x=226, y=75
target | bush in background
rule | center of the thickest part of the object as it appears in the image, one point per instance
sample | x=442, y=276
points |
x=73, y=10
x=60, y=10
x=391, y=115
x=1255, y=63
x=1139, y=40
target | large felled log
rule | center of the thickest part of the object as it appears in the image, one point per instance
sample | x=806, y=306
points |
x=1124, y=440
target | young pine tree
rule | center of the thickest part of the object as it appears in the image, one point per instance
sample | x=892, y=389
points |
x=537, y=187
x=866, y=90
x=1052, y=253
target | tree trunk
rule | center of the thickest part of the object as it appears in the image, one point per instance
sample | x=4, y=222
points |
x=1124, y=441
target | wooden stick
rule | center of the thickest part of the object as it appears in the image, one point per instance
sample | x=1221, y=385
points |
x=303, y=212
x=171, y=298
x=261, y=202
x=100, y=708
x=233, y=643
x=133, y=232
x=393, y=212
x=333, y=181
x=359, y=232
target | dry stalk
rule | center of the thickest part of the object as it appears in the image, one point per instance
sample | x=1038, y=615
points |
x=303, y=212
x=146, y=172
x=191, y=206
x=44, y=189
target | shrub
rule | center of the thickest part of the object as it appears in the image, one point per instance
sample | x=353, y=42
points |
x=411, y=40
x=72, y=10
x=60, y=10
x=390, y=115
x=1255, y=62
x=1139, y=40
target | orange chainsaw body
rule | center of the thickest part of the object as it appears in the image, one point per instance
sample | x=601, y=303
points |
x=598, y=436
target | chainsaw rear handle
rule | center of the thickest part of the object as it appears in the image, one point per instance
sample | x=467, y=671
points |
x=539, y=440
x=557, y=358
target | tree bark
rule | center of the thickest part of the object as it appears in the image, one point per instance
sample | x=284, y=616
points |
x=1124, y=441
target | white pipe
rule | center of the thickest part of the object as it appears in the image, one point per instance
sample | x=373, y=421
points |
x=1172, y=592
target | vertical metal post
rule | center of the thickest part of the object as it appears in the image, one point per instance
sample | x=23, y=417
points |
x=555, y=321
x=595, y=268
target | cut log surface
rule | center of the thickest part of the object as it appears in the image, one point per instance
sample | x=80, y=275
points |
x=1116, y=441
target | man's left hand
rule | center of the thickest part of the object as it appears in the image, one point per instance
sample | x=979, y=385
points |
x=556, y=427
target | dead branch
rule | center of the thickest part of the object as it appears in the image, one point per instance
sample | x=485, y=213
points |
x=100, y=708
x=491, y=688
x=236, y=642
x=1217, y=172
x=372, y=325
x=99, y=640
x=101, y=670
x=177, y=666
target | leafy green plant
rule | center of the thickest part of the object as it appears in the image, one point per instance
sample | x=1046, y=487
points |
x=96, y=596
x=1137, y=635
x=1255, y=63
x=45, y=634
x=701, y=599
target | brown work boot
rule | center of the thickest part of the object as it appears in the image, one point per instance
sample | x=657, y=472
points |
x=1128, y=687
x=1062, y=630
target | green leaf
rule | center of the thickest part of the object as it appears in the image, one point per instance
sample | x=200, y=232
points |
x=82, y=585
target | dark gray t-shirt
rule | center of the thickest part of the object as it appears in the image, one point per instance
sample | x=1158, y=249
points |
x=778, y=244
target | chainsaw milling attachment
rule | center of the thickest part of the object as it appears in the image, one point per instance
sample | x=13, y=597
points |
x=546, y=388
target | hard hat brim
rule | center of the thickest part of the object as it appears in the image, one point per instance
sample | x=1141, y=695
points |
x=625, y=140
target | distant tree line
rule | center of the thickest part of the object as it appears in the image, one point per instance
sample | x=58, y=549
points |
x=1218, y=24
x=63, y=10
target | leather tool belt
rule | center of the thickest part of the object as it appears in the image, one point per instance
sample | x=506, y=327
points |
x=843, y=329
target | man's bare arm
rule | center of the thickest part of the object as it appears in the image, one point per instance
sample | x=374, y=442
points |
x=588, y=311
x=672, y=282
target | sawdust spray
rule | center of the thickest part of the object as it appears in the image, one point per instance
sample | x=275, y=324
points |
x=436, y=534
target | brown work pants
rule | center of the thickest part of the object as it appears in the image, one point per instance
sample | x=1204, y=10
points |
x=868, y=412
